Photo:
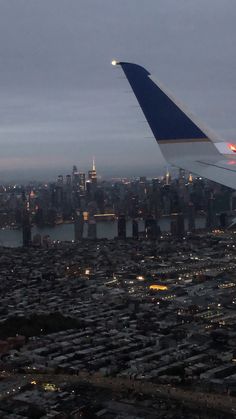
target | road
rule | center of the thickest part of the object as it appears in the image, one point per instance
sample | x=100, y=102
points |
x=193, y=399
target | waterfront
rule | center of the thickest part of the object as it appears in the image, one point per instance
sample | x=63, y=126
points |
x=65, y=232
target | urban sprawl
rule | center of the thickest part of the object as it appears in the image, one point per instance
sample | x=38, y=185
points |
x=134, y=327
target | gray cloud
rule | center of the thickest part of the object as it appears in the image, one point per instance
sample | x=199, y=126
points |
x=61, y=102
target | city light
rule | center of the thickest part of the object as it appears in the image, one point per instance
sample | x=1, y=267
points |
x=158, y=287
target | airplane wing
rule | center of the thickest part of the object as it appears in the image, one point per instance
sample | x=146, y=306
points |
x=182, y=140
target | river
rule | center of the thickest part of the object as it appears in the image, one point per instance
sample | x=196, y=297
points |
x=65, y=232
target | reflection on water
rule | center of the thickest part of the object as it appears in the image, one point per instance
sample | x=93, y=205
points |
x=108, y=230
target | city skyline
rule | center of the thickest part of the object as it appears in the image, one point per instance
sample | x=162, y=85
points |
x=60, y=97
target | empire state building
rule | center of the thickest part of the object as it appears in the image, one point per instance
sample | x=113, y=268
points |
x=92, y=174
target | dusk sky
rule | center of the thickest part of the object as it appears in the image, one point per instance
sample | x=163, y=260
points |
x=61, y=101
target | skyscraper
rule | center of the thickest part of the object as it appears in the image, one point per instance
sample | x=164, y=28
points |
x=82, y=182
x=151, y=228
x=211, y=221
x=191, y=217
x=78, y=225
x=60, y=180
x=26, y=229
x=121, y=227
x=92, y=174
x=177, y=225
x=135, y=233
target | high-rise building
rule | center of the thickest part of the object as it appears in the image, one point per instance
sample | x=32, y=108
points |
x=182, y=175
x=121, y=226
x=174, y=226
x=181, y=227
x=68, y=180
x=177, y=226
x=223, y=220
x=60, y=180
x=74, y=170
x=92, y=174
x=151, y=228
x=26, y=228
x=211, y=221
x=78, y=225
x=82, y=182
x=191, y=217
x=167, y=177
x=135, y=232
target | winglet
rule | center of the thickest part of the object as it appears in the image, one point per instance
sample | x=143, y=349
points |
x=166, y=119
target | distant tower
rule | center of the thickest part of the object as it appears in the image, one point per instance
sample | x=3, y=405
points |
x=92, y=174
x=78, y=225
x=174, y=225
x=223, y=220
x=211, y=222
x=82, y=182
x=181, y=227
x=182, y=175
x=177, y=225
x=74, y=170
x=151, y=228
x=60, y=180
x=26, y=227
x=191, y=217
x=68, y=180
x=167, y=177
x=121, y=227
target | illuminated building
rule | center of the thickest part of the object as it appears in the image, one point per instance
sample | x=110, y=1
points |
x=92, y=174
x=158, y=287
x=86, y=215
x=82, y=182
x=167, y=178
x=104, y=217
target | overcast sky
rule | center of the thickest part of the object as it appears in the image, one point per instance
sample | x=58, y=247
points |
x=61, y=101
